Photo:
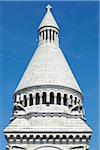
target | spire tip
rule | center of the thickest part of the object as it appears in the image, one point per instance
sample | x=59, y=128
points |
x=48, y=7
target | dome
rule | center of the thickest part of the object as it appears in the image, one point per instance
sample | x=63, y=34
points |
x=48, y=67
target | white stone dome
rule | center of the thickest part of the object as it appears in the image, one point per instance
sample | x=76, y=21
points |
x=48, y=67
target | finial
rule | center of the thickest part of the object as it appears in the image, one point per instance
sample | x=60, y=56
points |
x=48, y=7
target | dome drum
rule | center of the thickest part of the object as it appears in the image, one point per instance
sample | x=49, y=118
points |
x=45, y=100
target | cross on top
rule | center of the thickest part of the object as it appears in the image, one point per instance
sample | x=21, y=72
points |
x=48, y=7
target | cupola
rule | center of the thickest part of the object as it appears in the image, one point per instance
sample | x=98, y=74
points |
x=48, y=29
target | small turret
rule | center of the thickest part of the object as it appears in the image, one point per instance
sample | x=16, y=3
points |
x=48, y=29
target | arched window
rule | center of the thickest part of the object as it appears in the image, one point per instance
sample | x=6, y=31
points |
x=53, y=35
x=11, y=137
x=65, y=100
x=58, y=98
x=80, y=107
x=37, y=99
x=51, y=98
x=24, y=137
x=31, y=137
x=64, y=137
x=44, y=98
x=77, y=138
x=71, y=97
x=79, y=101
x=51, y=136
x=25, y=101
x=37, y=136
x=84, y=138
x=58, y=136
x=50, y=34
x=21, y=102
x=44, y=137
x=18, y=137
x=70, y=138
x=30, y=99
x=75, y=100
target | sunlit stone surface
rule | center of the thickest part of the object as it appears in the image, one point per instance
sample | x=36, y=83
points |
x=48, y=102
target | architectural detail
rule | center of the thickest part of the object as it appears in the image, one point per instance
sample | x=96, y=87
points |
x=48, y=102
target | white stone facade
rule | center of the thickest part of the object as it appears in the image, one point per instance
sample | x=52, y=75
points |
x=48, y=102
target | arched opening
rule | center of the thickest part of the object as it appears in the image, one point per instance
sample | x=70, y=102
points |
x=51, y=98
x=25, y=101
x=71, y=96
x=77, y=139
x=57, y=136
x=11, y=137
x=75, y=101
x=50, y=137
x=57, y=139
x=31, y=137
x=50, y=34
x=18, y=137
x=58, y=98
x=37, y=138
x=21, y=102
x=84, y=138
x=30, y=99
x=24, y=138
x=44, y=98
x=53, y=35
x=44, y=137
x=65, y=100
x=37, y=99
x=70, y=139
x=64, y=137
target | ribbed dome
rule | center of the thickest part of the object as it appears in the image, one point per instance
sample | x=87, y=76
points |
x=48, y=67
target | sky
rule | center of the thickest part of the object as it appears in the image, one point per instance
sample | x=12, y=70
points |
x=78, y=22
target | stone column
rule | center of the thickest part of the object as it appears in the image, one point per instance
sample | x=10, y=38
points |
x=28, y=99
x=57, y=38
x=44, y=35
x=48, y=97
x=48, y=35
x=40, y=98
x=62, y=99
x=34, y=99
x=17, y=98
x=51, y=35
x=55, y=99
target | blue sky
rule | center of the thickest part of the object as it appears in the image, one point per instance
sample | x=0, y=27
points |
x=78, y=22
